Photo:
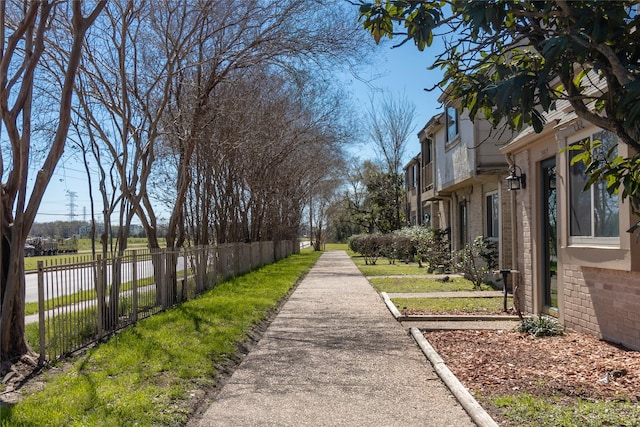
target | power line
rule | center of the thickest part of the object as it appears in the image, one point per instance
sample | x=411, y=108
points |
x=72, y=205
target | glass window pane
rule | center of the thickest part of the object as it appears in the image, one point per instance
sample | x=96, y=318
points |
x=493, y=213
x=580, y=200
x=593, y=213
x=452, y=123
x=605, y=207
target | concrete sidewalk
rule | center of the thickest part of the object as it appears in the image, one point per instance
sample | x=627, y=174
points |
x=334, y=356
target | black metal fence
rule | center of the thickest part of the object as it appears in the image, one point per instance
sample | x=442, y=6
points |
x=83, y=302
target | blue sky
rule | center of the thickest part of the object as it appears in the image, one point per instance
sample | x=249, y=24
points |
x=401, y=72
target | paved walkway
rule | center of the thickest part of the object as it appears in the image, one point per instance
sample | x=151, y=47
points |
x=334, y=356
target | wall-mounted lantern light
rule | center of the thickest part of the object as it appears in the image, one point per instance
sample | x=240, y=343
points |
x=515, y=181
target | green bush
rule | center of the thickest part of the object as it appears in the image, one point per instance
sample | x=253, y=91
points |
x=367, y=245
x=427, y=244
x=477, y=259
x=541, y=326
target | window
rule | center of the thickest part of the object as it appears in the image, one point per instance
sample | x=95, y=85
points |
x=427, y=166
x=452, y=123
x=414, y=177
x=411, y=176
x=463, y=223
x=593, y=212
x=492, y=215
x=427, y=148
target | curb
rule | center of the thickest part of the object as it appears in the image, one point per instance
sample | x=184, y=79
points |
x=462, y=395
x=466, y=400
x=391, y=306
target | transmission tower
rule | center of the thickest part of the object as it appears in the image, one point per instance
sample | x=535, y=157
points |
x=71, y=195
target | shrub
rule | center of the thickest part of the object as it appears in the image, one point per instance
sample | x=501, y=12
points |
x=429, y=245
x=355, y=243
x=385, y=243
x=477, y=259
x=541, y=326
x=367, y=245
x=403, y=245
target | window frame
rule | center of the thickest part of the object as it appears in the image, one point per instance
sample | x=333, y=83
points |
x=492, y=225
x=451, y=139
x=590, y=240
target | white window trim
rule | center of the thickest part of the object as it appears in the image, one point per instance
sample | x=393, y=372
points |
x=588, y=241
x=450, y=143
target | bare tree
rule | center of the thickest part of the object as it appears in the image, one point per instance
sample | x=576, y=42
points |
x=25, y=33
x=390, y=125
x=266, y=143
x=241, y=35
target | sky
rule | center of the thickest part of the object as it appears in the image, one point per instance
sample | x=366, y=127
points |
x=400, y=72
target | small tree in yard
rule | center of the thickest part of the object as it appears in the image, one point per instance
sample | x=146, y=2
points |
x=477, y=259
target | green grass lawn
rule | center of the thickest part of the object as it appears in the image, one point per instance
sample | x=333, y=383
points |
x=525, y=410
x=422, y=284
x=383, y=268
x=476, y=305
x=144, y=375
x=336, y=247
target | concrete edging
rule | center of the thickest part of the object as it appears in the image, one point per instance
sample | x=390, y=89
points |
x=466, y=400
x=391, y=306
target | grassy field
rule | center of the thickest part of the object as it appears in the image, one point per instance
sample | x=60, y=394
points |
x=146, y=374
x=422, y=284
x=444, y=305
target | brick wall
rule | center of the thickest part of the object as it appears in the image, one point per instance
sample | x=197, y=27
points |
x=603, y=302
x=506, y=240
x=524, y=228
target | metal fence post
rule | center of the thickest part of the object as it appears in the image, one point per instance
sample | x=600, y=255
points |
x=134, y=288
x=100, y=293
x=41, y=314
x=164, y=286
x=185, y=270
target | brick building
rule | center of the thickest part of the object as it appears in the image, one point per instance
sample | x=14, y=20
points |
x=578, y=262
x=575, y=259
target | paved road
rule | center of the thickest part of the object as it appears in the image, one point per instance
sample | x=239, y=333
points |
x=62, y=282
x=334, y=356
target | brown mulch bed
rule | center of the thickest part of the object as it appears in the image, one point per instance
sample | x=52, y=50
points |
x=572, y=366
